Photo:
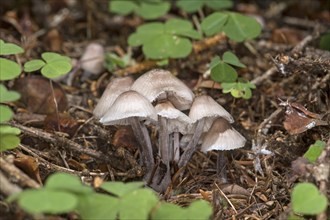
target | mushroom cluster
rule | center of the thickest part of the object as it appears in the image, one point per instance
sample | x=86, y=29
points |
x=158, y=98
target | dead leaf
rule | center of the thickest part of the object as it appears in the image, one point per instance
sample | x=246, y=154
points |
x=29, y=165
x=37, y=96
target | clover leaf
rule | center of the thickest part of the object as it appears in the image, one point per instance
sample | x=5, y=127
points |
x=307, y=199
x=8, y=69
x=53, y=65
x=144, y=8
x=9, y=48
x=165, y=40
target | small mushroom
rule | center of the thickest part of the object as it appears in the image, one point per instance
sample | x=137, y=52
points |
x=222, y=137
x=203, y=112
x=92, y=61
x=172, y=122
x=116, y=87
x=130, y=107
x=161, y=84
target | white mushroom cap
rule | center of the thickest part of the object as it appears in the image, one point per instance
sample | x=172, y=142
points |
x=205, y=107
x=116, y=87
x=93, y=58
x=156, y=82
x=176, y=120
x=222, y=136
x=127, y=105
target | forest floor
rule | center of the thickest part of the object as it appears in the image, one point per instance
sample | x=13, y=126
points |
x=284, y=63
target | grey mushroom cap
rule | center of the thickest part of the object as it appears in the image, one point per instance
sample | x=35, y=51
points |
x=93, y=58
x=116, y=87
x=205, y=107
x=176, y=120
x=127, y=105
x=222, y=136
x=156, y=82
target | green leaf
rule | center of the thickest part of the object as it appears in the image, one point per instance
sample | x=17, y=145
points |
x=72, y=184
x=215, y=61
x=190, y=5
x=137, y=204
x=56, y=68
x=179, y=47
x=51, y=57
x=167, y=46
x=169, y=211
x=8, y=141
x=214, y=23
x=5, y=113
x=33, y=65
x=6, y=129
x=97, y=206
x=47, y=201
x=314, y=151
x=246, y=93
x=145, y=33
x=122, y=7
x=223, y=73
x=199, y=209
x=120, y=188
x=146, y=9
x=9, y=48
x=240, y=27
x=231, y=58
x=9, y=69
x=217, y=5
x=8, y=96
x=182, y=28
x=152, y=10
x=325, y=42
x=306, y=199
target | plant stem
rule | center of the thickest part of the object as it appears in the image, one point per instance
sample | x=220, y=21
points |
x=192, y=145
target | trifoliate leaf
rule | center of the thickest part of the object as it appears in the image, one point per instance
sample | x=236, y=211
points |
x=8, y=69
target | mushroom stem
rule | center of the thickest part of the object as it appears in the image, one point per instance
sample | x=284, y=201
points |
x=176, y=146
x=141, y=133
x=192, y=145
x=221, y=166
x=164, y=141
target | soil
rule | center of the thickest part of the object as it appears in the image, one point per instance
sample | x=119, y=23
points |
x=290, y=71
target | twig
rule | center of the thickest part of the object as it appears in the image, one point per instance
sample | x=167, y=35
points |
x=17, y=174
x=265, y=76
x=7, y=188
x=59, y=168
x=59, y=141
x=224, y=195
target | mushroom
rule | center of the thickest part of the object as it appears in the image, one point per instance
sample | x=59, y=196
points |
x=221, y=137
x=203, y=112
x=112, y=91
x=130, y=107
x=160, y=84
x=172, y=122
x=92, y=60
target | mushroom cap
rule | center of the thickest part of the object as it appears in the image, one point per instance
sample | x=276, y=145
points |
x=129, y=104
x=205, y=107
x=156, y=82
x=116, y=87
x=176, y=120
x=93, y=58
x=222, y=136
